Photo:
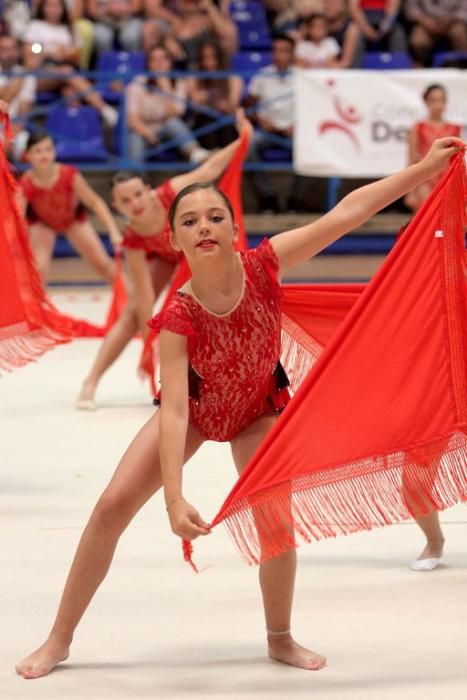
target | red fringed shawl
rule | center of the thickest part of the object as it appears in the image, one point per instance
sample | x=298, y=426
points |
x=377, y=432
x=29, y=323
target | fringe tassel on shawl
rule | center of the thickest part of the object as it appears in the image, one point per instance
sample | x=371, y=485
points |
x=386, y=489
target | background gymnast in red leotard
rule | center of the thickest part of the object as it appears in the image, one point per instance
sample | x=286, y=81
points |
x=150, y=256
x=53, y=197
x=422, y=135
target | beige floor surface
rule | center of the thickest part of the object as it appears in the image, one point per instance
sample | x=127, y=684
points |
x=155, y=629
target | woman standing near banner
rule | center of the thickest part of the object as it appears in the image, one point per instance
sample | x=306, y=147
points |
x=149, y=253
x=422, y=135
x=220, y=345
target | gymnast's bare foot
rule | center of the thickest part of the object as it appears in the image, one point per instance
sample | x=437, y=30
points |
x=284, y=649
x=86, y=400
x=42, y=661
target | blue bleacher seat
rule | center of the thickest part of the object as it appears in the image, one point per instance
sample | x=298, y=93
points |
x=254, y=37
x=377, y=60
x=443, y=57
x=77, y=132
x=121, y=63
x=247, y=11
x=251, y=60
x=45, y=97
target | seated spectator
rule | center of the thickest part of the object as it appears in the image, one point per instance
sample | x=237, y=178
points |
x=155, y=107
x=316, y=49
x=271, y=92
x=83, y=29
x=17, y=89
x=50, y=45
x=289, y=19
x=377, y=21
x=437, y=25
x=345, y=32
x=117, y=24
x=199, y=21
x=220, y=94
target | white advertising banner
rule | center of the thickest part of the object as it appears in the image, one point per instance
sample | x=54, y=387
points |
x=354, y=123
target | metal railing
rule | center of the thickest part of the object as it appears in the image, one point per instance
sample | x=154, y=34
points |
x=121, y=159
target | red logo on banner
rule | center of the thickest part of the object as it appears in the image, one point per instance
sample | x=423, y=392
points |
x=348, y=115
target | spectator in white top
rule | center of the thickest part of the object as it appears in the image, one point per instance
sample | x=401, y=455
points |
x=317, y=49
x=83, y=29
x=155, y=107
x=17, y=89
x=50, y=44
x=271, y=95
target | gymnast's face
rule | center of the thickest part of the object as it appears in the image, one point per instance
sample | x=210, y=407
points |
x=203, y=226
x=42, y=154
x=436, y=103
x=132, y=198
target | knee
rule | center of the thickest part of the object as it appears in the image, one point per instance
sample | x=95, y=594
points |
x=128, y=318
x=111, y=514
x=419, y=36
x=458, y=34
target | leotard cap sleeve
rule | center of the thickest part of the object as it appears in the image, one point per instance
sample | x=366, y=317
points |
x=266, y=256
x=174, y=318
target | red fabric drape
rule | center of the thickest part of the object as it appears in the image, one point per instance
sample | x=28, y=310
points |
x=29, y=323
x=84, y=329
x=231, y=184
x=377, y=432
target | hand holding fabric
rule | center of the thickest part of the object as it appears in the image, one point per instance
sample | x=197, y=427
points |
x=440, y=153
x=185, y=520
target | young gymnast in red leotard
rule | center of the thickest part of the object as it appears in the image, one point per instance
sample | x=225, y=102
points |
x=220, y=380
x=53, y=196
x=422, y=135
x=149, y=253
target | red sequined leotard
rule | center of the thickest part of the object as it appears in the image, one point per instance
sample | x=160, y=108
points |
x=427, y=133
x=235, y=373
x=157, y=244
x=58, y=206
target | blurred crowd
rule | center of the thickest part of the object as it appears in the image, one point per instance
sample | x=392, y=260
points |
x=62, y=40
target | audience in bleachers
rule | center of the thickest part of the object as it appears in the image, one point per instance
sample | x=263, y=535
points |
x=117, y=24
x=49, y=44
x=345, y=31
x=223, y=95
x=316, y=48
x=436, y=25
x=66, y=35
x=17, y=89
x=377, y=21
x=155, y=108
